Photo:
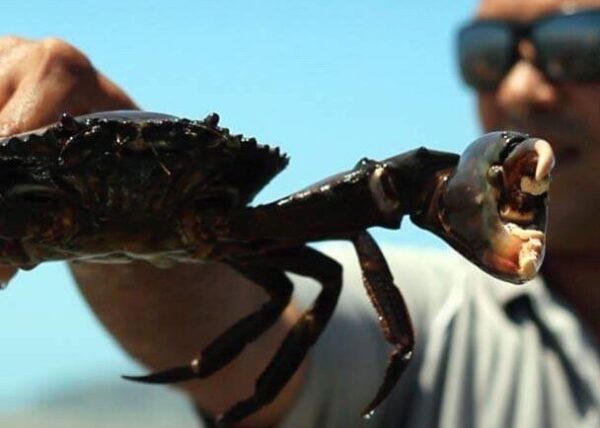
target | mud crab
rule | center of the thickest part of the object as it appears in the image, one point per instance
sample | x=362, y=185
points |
x=117, y=186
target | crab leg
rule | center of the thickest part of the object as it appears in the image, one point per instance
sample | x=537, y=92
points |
x=232, y=342
x=307, y=262
x=392, y=310
x=268, y=272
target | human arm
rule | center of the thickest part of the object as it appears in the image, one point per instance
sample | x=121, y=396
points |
x=163, y=317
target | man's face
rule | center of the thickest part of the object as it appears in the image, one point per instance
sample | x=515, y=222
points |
x=565, y=114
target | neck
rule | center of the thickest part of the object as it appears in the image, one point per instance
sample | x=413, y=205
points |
x=575, y=277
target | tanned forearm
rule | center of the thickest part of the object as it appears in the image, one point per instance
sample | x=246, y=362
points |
x=164, y=317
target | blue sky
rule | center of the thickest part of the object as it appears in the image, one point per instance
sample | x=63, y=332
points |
x=328, y=81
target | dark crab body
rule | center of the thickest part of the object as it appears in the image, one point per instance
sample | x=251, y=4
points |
x=117, y=186
x=95, y=187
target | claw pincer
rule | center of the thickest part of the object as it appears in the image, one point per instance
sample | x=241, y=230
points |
x=493, y=208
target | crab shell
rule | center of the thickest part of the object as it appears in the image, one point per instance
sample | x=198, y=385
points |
x=72, y=189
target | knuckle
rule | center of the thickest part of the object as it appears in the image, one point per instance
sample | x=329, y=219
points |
x=12, y=41
x=12, y=50
x=64, y=57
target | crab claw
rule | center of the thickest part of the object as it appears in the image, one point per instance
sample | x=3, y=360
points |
x=493, y=207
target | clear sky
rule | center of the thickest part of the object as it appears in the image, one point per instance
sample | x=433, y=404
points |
x=328, y=81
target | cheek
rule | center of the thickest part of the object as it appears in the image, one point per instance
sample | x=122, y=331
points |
x=575, y=188
x=586, y=100
x=489, y=114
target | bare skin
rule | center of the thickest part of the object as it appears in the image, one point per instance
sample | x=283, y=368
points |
x=567, y=115
x=160, y=316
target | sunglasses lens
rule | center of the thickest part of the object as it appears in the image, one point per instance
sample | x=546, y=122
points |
x=486, y=53
x=568, y=47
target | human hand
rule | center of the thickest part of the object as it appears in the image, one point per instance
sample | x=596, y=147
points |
x=41, y=79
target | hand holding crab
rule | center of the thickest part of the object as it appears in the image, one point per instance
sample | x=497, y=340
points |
x=85, y=186
x=41, y=78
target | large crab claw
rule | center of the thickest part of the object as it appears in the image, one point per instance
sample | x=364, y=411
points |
x=493, y=207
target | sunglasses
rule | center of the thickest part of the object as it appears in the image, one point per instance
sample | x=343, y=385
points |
x=567, y=48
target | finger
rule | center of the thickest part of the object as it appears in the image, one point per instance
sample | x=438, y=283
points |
x=13, y=51
x=37, y=104
x=9, y=42
x=32, y=105
x=60, y=79
x=114, y=98
x=29, y=107
x=51, y=79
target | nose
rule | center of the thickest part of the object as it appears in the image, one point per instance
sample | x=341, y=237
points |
x=525, y=88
